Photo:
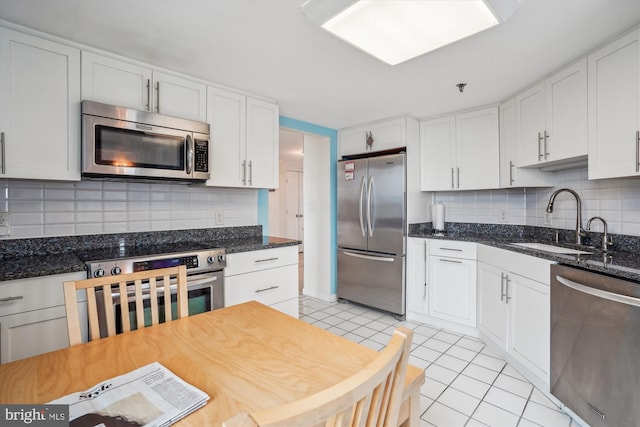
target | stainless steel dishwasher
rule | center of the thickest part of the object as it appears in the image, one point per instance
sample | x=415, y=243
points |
x=595, y=346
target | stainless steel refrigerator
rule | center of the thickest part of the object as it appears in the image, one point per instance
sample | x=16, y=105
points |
x=371, y=232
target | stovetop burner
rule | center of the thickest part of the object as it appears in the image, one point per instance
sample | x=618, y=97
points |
x=126, y=259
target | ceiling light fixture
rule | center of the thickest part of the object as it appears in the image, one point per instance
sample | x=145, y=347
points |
x=395, y=31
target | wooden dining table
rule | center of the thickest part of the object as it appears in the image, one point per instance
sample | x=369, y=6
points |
x=245, y=357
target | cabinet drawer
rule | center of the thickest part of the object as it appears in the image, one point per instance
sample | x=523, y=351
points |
x=246, y=262
x=18, y=296
x=452, y=248
x=268, y=287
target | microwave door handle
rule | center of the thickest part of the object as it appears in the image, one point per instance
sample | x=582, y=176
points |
x=189, y=154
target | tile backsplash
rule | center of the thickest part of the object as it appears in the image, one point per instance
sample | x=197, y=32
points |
x=615, y=200
x=41, y=209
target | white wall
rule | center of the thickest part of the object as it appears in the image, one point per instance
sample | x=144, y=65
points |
x=40, y=209
x=317, y=217
x=616, y=200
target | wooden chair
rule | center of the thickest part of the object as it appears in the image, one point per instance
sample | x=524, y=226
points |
x=149, y=277
x=372, y=396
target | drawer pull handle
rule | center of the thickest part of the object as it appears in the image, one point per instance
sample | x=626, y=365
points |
x=451, y=249
x=450, y=260
x=267, y=289
x=7, y=299
x=266, y=259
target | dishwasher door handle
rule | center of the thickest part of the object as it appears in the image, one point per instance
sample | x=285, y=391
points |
x=623, y=299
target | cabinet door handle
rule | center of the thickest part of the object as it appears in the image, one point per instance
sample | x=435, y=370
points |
x=157, y=97
x=425, y=291
x=451, y=249
x=244, y=172
x=452, y=185
x=250, y=172
x=7, y=299
x=637, y=152
x=450, y=260
x=511, y=180
x=266, y=259
x=506, y=288
x=502, y=293
x=267, y=289
x=148, y=94
x=540, y=152
x=2, y=155
x=546, y=137
x=458, y=170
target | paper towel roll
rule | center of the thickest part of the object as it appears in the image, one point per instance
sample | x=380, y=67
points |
x=437, y=214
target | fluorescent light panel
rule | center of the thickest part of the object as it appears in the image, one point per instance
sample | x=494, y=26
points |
x=395, y=31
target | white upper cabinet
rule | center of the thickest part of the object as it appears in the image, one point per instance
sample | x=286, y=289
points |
x=243, y=148
x=437, y=153
x=614, y=111
x=460, y=152
x=126, y=84
x=39, y=108
x=510, y=174
x=551, y=119
x=377, y=136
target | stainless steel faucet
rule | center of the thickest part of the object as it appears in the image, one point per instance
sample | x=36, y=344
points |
x=607, y=241
x=580, y=233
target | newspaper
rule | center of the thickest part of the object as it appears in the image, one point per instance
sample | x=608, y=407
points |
x=149, y=396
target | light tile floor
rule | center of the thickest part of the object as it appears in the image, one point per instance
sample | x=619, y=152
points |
x=466, y=384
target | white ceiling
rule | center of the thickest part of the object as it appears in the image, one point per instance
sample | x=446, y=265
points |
x=269, y=48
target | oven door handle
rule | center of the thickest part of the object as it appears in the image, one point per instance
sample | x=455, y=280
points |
x=202, y=280
x=623, y=299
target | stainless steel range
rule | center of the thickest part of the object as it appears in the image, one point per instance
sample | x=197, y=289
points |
x=205, y=271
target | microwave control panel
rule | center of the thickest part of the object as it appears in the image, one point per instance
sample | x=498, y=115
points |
x=201, y=156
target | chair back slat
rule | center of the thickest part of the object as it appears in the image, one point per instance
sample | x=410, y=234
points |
x=139, y=280
x=371, y=397
x=153, y=294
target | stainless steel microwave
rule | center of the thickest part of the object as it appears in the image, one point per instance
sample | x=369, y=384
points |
x=121, y=142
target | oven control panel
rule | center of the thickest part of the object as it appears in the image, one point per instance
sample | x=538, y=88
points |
x=189, y=261
x=200, y=261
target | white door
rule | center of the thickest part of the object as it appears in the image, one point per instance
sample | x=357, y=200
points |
x=262, y=144
x=567, y=112
x=452, y=290
x=116, y=82
x=492, y=307
x=478, y=149
x=437, y=154
x=293, y=206
x=226, y=114
x=40, y=104
x=614, y=109
x=179, y=97
x=530, y=125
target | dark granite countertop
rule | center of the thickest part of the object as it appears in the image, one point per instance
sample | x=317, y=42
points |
x=24, y=258
x=623, y=262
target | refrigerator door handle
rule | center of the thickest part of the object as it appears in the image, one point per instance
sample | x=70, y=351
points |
x=362, y=187
x=369, y=222
x=372, y=258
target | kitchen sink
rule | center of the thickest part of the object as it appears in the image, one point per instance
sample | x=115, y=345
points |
x=550, y=248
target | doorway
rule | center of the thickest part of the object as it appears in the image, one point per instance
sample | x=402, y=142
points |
x=305, y=160
x=293, y=207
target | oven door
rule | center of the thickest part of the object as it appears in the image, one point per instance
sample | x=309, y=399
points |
x=121, y=148
x=205, y=293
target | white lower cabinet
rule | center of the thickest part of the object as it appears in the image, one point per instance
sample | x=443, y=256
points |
x=513, y=309
x=416, y=277
x=33, y=319
x=269, y=276
x=452, y=282
x=441, y=283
